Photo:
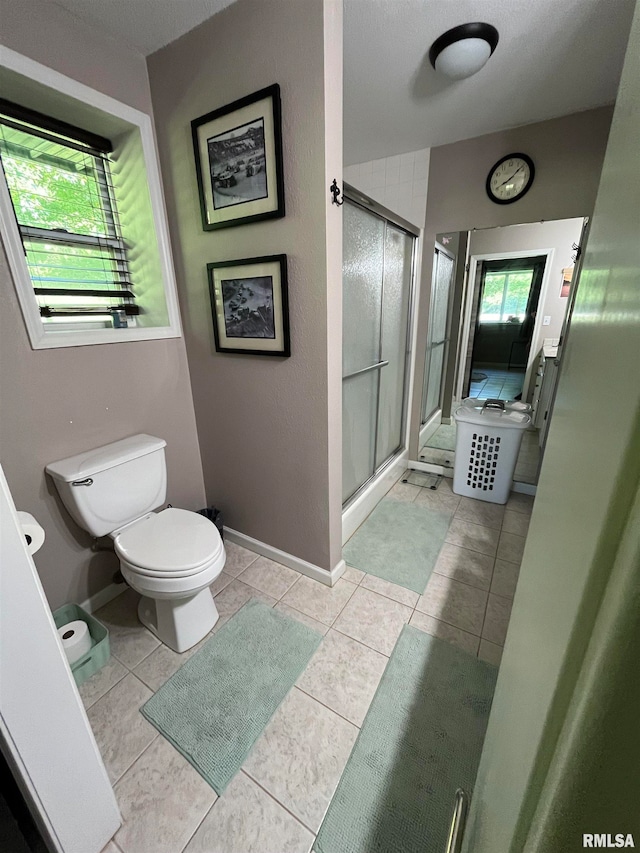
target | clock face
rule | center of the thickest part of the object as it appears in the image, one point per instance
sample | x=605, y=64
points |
x=510, y=178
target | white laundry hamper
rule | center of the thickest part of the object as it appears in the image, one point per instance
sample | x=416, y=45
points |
x=488, y=438
x=511, y=405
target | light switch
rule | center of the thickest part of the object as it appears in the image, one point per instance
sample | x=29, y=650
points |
x=546, y=321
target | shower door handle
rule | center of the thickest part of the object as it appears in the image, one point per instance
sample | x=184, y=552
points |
x=366, y=369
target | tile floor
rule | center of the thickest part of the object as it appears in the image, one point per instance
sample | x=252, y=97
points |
x=277, y=800
x=499, y=384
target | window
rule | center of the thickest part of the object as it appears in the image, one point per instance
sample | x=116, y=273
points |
x=82, y=212
x=505, y=296
x=60, y=184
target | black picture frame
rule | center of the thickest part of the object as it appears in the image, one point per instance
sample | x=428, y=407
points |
x=250, y=306
x=238, y=157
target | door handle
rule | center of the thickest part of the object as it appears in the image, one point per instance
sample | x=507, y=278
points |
x=366, y=369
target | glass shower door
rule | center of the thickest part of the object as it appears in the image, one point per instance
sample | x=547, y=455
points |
x=377, y=268
x=437, y=340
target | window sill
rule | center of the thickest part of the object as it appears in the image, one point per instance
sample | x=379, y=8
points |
x=88, y=337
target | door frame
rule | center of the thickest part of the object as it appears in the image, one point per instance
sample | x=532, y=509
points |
x=424, y=425
x=474, y=260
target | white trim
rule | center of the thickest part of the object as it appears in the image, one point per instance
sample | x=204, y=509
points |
x=293, y=562
x=104, y=596
x=39, y=335
x=428, y=428
x=365, y=503
x=466, y=328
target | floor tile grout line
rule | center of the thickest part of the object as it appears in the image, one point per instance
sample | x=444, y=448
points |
x=129, y=672
x=88, y=707
x=344, y=634
x=140, y=754
x=276, y=800
x=207, y=813
x=328, y=707
x=450, y=624
x=388, y=597
x=457, y=580
x=270, y=594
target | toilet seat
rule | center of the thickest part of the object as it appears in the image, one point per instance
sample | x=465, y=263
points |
x=174, y=543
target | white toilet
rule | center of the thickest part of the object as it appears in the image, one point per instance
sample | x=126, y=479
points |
x=170, y=557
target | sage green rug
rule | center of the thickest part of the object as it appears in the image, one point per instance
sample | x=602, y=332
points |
x=399, y=542
x=218, y=703
x=444, y=438
x=420, y=741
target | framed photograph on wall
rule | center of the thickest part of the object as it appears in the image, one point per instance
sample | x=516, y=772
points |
x=250, y=307
x=238, y=153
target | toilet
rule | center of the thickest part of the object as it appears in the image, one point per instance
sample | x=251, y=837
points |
x=170, y=557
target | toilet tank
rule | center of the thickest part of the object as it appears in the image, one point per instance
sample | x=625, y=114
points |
x=110, y=486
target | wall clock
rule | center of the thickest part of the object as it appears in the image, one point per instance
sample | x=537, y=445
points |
x=510, y=178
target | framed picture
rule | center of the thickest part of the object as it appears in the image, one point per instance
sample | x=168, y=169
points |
x=250, y=305
x=238, y=152
x=567, y=275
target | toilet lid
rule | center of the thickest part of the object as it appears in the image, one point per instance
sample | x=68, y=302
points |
x=174, y=541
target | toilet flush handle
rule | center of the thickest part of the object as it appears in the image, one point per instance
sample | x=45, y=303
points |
x=86, y=482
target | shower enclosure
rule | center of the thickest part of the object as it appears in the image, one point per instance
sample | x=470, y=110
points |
x=378, y=267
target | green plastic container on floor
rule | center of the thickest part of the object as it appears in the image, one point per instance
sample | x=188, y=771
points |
x=98, y=654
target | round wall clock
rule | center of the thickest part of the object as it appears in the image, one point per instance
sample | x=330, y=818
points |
x=510, y=178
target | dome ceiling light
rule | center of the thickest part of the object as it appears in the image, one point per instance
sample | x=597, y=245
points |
x=463, y=50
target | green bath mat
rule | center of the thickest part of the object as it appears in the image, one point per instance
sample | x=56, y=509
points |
x=420, y=741
x=444, y=438
x=218, y=703
x=399, y=542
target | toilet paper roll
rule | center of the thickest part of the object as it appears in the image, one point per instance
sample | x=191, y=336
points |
x=76, y=639
x=32, y=531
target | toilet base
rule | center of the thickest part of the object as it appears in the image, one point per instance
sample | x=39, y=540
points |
x=179, y=623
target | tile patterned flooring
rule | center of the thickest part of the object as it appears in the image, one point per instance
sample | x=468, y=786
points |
x=498, y=385
x=277, y=800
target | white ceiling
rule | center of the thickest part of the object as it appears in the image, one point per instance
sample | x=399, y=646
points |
x=554, y=57
x=146, y=25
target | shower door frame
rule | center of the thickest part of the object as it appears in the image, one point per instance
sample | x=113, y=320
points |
x=359, y=199
x=437, y=412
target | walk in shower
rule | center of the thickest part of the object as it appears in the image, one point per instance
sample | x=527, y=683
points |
x=379, y=251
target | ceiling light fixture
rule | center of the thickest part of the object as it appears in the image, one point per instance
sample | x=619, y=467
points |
x=463, y=50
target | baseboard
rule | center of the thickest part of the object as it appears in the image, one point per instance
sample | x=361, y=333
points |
x=365, y=503
x=296, y=563
x=104, y=596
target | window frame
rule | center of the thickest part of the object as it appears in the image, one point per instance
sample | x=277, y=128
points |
x=41, y=127
x=50, y=83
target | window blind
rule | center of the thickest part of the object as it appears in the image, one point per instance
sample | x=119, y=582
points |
x=60, y=184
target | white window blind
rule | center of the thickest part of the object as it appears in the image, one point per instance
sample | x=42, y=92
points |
x=60, y=184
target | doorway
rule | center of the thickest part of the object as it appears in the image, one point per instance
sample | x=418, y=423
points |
x=508, y=293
